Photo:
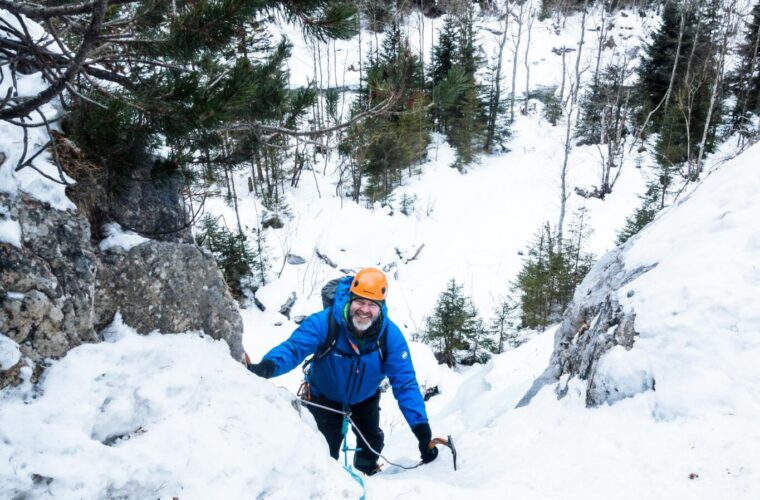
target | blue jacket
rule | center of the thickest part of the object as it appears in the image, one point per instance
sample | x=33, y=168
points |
x=342, y=375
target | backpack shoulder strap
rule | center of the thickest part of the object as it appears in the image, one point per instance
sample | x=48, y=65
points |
x=330, y=341
x=332, y=337
x=382, y=345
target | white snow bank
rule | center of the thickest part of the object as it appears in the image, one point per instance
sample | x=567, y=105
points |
x=120, y=238
x=9, y=353
x=13, y=142
x=10, y=230
x=697, y=310
x=161, y=416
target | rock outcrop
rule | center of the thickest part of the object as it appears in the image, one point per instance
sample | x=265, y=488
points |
x=153, y=208
x=57, y=291
x=594, y=323
x=47, y=287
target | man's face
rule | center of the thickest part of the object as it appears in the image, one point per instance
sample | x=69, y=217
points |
x=363, y=313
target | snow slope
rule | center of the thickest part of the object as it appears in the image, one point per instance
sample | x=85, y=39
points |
x=160, y=416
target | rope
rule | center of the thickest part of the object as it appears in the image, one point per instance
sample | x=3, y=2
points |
x=347, y=418
x=346, y=449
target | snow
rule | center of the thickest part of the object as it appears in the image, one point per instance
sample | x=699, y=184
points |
x=702, y=295
x=161, y=416
x=624, y=373
x=9, y=352
x=173, y=415
x=116, y=237
x=10, y=230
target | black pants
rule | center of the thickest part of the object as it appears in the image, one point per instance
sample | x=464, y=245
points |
x=366, y=416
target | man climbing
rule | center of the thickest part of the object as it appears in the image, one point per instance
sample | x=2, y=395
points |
x=366, y=347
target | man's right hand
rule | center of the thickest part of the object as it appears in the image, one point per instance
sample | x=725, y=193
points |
x=265, y=369
x=424, y=438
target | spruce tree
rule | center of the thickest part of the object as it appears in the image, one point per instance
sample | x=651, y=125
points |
x=745, y=82
x=603, y=107
x=459, y=105
x=551, y=272
x=454, y=319
x=444, y=51
x=384, y=148
x=679, y=118
x=642, y=216
x=244, y=267
x=504, y=323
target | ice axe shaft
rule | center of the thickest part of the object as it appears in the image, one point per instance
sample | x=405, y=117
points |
x=448, y=441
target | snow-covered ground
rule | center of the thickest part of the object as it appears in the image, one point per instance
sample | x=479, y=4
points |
x=173, y=416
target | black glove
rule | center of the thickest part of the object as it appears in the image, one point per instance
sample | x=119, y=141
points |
x=424, y=436
x=265, y=369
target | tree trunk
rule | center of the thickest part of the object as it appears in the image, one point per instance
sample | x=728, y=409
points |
x=527, y=64
x=571, y=107
x=514, y=64
x=717, y=84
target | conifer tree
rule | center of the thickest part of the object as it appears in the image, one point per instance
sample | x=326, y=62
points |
x=603, y=107
x=481, y=343
x=244, y=267
x=385, y=147
x=504, y=323
x=454, y=319
x=444, y=52
x=676, y=77
x=642, y=216
x=551, y=272
x=746, y=80
x=459, y=109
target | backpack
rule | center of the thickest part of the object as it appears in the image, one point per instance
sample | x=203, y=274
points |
x=328, y=299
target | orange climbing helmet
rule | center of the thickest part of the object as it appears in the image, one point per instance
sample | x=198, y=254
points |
x=370, y=283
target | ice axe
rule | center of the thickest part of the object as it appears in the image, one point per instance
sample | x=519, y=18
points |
x=448, y=441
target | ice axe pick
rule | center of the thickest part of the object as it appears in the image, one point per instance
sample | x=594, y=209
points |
x=448, y=441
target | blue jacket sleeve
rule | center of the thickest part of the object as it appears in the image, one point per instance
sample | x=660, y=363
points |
x=305, y=340
x=399, y=369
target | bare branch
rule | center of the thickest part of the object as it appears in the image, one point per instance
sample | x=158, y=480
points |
x=38, y=12
x=54, y=89
x=377, y=110
x=30, y=160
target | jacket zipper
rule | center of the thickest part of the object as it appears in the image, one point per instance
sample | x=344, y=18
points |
x=350, y=379
x=361, y=377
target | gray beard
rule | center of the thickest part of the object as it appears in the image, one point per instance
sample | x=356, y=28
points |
x=360, y=328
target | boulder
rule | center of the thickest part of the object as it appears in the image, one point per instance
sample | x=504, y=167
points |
x=153, y=207
x=170, y=287
x=295, y=260
x=288, y=305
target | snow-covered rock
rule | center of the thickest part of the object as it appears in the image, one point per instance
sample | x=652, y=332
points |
x=57, y=291
x=48, y=283
x=677, y=298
